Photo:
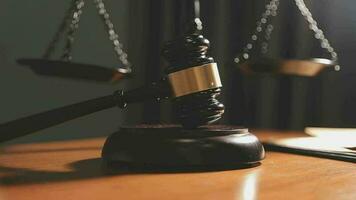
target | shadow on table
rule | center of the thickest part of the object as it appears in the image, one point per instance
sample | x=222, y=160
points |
x=84, y=169
x=91, y=168
x=96, y=168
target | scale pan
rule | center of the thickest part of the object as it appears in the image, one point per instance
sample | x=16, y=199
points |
x=73, y=70
x=307, y=67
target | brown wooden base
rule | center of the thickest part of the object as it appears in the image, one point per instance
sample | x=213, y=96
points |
x=167, y=146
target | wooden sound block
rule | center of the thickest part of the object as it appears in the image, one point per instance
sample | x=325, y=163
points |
x=165, y=146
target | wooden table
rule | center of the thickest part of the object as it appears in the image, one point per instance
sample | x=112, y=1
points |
x=73, y=170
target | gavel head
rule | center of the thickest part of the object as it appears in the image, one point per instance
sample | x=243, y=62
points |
x=194, y=79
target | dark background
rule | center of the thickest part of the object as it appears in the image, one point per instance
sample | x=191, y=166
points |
x=279, y=102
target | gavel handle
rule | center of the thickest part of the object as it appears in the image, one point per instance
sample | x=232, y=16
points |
x=27, y=125
x=30, y=124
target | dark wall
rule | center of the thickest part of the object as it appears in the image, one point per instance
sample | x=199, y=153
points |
x=143, y=26
x=282, y=102
x=26, y=29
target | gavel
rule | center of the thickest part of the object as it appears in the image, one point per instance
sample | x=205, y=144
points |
x=192, y=83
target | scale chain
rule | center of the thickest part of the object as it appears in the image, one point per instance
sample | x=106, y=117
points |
x=113, y=37
x=71, y=23
x=318, y=33
x=61, y=29
x=271, y=10
x=73, y=27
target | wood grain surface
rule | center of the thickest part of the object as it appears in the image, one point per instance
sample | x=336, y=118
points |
x=74, y=170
